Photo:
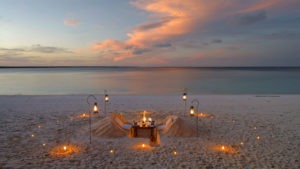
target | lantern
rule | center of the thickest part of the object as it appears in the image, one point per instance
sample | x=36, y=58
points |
x=95, y=108
x=192, y=111
x=106, y=98
x=184, y=97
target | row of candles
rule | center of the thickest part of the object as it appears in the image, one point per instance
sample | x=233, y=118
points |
x=65, y=150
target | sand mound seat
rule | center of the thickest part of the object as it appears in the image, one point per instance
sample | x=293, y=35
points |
x=177, y=127
x=111, y=127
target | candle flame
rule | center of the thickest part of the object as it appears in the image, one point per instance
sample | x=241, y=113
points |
x=223, y=148
x=144, y=116
x=257, y=137
x=174, y=153
x=143, y=145
x=111, y=151
x=65, y=148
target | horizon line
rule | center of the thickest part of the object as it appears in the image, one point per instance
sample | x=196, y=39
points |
x=149, y=66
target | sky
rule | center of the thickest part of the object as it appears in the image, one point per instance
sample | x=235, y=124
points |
x=149, y=33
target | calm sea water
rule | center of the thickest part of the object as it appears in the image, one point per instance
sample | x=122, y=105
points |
x=130, y=80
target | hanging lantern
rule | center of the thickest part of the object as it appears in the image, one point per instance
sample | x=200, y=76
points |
x=95, y=108
x=184, y=96
x=192, y=111
x=106, y=98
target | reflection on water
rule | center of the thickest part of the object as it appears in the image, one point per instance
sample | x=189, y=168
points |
x=149, y=80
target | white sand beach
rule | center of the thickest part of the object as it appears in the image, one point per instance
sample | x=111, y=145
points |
x=242, y=131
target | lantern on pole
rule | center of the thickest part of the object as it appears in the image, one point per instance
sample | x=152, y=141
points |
x=106, y=100
x=193, y=112
x=95, y=110
x=184, y=98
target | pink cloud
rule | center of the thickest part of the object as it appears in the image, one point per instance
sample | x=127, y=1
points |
x=71, y=22
x=170, y=19
x=167, y=19
x=260, y=6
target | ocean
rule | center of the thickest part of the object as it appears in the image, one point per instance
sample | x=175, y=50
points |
x=149, y=81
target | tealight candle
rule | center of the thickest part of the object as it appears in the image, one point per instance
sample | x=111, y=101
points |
x=64, y=150
x=223, y=148
x=174, y=153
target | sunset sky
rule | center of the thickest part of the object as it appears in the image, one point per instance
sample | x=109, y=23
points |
x=150, y=32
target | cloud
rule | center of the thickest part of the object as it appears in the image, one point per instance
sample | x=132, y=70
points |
x=283, y=35
x=167, y=20
x=34, y=49
x=111, y=44
x=48, y=49
x=217, y=41
x=251, y=18
x=163, y=44
x=138, y=51
x=171, y=22
x=13, y=50
x=71, y=22
x=260, y=6
x=152, y=25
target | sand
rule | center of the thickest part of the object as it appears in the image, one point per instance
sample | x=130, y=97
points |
x=259, y=131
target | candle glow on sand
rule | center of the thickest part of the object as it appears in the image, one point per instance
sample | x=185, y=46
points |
x=225, y=149
x=83, y=115
x=64, y=150
x=143, y=146
x=204, y=115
